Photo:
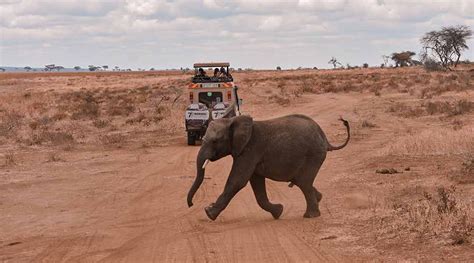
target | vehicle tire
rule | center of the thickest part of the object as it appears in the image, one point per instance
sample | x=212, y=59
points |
x=191, y=138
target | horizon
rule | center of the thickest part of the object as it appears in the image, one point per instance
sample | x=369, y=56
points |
x=164, y=35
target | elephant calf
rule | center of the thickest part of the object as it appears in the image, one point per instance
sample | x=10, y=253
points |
x=286, y=149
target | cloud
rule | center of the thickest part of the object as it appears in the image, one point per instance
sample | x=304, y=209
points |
x=163, y=33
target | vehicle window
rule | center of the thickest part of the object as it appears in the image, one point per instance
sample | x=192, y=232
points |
x=210, y=98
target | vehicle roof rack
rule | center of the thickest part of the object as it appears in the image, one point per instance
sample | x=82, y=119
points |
x=211, y=65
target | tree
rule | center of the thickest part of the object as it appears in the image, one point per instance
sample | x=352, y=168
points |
x=27, y=68
x=385, y=60
x=446, y=45
x=93, y=68
x=403, y=59
x=49, y=67
x=278, y=68
x=365, y=65
x=334, y=62
x=77, y=68
x=105, y=67
x=58, y=68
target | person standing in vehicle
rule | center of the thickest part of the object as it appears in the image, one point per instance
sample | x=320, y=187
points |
x=201, y=72
x=223, y=73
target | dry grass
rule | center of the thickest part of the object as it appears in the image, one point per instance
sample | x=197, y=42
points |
x=98, y=123
x=115, y=139
x=442, y=216
x=10, y=122
x=10, y=159
x=466, y=173
x=49, y=137
x=54, y=157
x=458, y=107
x=404, y=110
x=367, y=124
x=447, y=108
x=433, y=142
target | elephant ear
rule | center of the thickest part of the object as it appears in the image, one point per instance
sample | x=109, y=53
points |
x=240, y=133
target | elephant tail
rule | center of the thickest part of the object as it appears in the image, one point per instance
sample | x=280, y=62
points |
x=333, y=148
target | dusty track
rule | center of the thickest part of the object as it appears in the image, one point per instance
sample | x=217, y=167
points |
x=130, y=206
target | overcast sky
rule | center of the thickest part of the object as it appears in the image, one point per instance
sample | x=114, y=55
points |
x=247, y=33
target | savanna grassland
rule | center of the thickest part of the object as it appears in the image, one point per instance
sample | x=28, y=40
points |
x=95, y=166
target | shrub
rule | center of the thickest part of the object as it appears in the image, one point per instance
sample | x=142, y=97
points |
x=100, y=123
x=368, y=124
x=280, y=99
x=54, y=157
x=442, y=215
x=431, y=65
x=10, y=159
x=88, y=108
x=10, y=121
x=53, y=137
x=112, y=139
x=459, y=107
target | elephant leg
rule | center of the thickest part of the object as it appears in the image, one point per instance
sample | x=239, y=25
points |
x=259, y=189
x=242, y=171
x=312, y=203
x=318, y=194
x=230, y=190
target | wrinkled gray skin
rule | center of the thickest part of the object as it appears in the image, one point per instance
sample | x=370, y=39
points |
x=285, y=149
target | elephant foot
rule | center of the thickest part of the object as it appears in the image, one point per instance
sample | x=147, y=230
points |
x=211, y=213
x=277, y=210
x=312, y=214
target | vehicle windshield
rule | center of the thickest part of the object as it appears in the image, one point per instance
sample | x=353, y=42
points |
x=210, y=98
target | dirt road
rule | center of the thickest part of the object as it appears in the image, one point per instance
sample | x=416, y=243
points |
x=130, y=205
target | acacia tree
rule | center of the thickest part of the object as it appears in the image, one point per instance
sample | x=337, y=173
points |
x=403, y=58
x=446, y=45
x=77, y=67
x=334, y=62
x=93, y=68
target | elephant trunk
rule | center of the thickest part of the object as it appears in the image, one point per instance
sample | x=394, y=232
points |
x=202, y=159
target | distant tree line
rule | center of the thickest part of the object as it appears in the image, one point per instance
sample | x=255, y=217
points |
x=441, y=49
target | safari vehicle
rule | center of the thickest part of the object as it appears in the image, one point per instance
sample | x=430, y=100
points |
x=212, y=95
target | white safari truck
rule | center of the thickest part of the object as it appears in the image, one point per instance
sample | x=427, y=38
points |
x=212, y=95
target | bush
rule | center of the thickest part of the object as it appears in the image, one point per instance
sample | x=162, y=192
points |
x=89, y=108
x=112, y=139
x=9, y=122
x=442, y=216
x=53, y=137
x=431, y=65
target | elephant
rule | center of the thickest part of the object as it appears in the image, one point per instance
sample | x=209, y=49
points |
x=291, y=149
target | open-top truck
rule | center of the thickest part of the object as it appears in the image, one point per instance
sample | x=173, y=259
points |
x=212, y=95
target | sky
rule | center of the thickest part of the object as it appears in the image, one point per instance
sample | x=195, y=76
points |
x=247, y=33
